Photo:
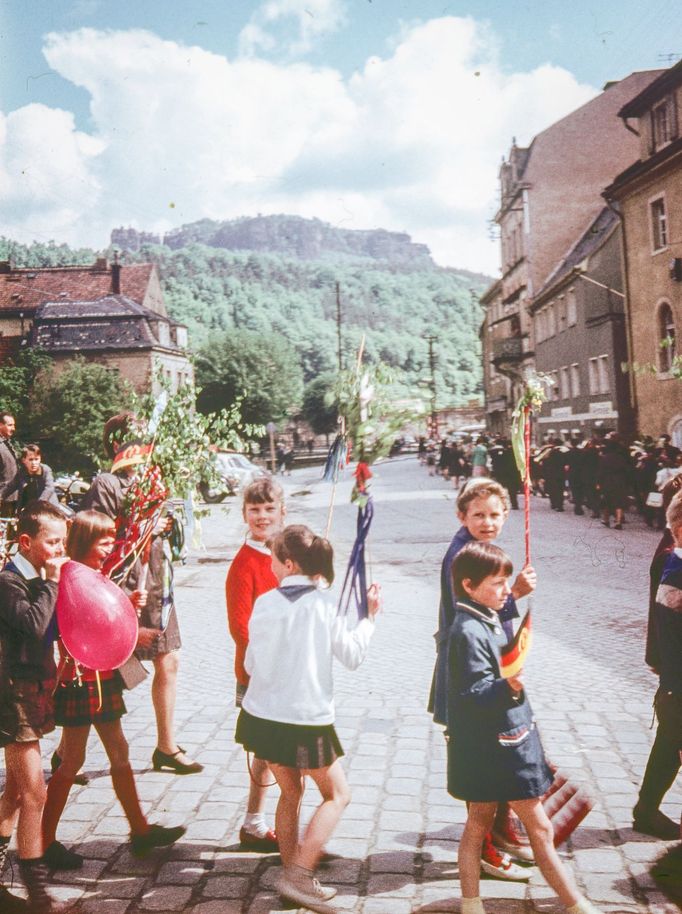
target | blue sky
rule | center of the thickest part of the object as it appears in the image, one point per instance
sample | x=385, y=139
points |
x=362, y=112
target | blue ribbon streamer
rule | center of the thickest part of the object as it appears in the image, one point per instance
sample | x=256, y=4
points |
x=336, y=460
x=355, y=582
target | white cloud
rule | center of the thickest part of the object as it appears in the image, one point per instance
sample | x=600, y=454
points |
x=412, y=142
x=311, y=20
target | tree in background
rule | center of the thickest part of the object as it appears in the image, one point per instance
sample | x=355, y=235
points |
x=260, y=369
x=68, y=409
x=321, y=416
x=16, y=383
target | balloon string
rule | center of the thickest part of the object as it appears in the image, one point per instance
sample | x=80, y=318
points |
x=99, y=690
x=526, y=482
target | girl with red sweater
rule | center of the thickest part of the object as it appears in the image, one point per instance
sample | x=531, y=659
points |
x=251, y=575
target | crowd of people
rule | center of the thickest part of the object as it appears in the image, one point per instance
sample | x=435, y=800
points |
x=599, y=475
x=287, y=634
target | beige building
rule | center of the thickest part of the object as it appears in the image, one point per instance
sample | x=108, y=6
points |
x=550, y=192
x=112, y=314
x=648, y=196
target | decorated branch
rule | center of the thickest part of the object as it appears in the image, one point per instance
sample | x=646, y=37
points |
x=369, y=422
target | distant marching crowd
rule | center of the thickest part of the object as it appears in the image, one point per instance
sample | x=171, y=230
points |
x=287, y=634
x=600, y=475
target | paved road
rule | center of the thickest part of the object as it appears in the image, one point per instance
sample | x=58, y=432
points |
x=398, y=839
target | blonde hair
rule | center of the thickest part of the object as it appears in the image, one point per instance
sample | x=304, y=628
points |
x=481, y=487
x=86, y=528
x=673, y=516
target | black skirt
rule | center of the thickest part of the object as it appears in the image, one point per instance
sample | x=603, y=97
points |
x=292, y=745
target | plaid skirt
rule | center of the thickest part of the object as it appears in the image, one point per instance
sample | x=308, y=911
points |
x=77, y=705
x=292, y=745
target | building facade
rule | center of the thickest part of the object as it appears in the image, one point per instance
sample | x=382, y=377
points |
x=580, y=337
x=549, y=192
x=648, y=196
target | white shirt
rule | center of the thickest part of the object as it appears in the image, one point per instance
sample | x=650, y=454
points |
x=292, y=644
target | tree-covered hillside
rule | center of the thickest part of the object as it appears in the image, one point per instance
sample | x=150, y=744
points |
x=395, y=304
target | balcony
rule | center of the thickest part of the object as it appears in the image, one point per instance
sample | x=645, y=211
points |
x=507, y=350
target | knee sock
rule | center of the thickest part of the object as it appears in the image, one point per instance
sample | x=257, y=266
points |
x=58, y=788
x=124, y=787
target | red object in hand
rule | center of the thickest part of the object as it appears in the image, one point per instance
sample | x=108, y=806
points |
x=97, y=622
x=362, y=475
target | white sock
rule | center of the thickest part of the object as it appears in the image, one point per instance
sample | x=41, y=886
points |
x=472, y=906
x=583, y=906
x=255, y=824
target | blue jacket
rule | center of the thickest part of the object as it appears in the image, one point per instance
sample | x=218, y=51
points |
x=438, y=699
x=667, y=618
x=494, y=750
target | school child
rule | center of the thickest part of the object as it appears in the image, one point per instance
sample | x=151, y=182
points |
x=251, y=575
x=482, y=508
x=497, y=754
x=28, y=594
x=287, y=715
x=664, y=648
x=78, y=706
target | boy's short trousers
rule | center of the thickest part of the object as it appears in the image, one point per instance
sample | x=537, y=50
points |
x=34, y=708
x=239, y=694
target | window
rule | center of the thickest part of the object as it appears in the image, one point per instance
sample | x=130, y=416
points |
x=561, y=313
x=663, y=123
x=565, y=384
x=594, y=376
x=604, y=384
x=571, y=308
x=659, y=225
x=666, y=338
x=551, y=320
x=540, y=326
x=554, y=375
x=575, y=379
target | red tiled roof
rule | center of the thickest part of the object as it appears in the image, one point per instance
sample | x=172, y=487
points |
x=25, y=289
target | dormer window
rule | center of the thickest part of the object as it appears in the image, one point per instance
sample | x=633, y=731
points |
x=664, y=123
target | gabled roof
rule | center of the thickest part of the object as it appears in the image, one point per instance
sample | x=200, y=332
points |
x=24, y=289
x=642, y=166
x=598, y=232
x=667, y=81
x=111, y=322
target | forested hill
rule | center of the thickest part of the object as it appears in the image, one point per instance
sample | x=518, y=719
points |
x=395, y=304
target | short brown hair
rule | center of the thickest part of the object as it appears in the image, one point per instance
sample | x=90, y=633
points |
x=30, y=449
x=313, y=554
x=34, y=514
x=86, y=528
x=262, y=491
x=481, y=487
x=477, y=561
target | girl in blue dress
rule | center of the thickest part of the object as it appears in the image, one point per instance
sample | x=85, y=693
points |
x=494, y=753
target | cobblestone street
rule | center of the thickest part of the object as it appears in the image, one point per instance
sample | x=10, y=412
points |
x=397, y=842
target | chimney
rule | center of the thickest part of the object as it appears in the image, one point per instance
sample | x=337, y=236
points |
x=116, y=275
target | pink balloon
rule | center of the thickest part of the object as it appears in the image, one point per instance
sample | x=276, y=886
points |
x=97, y=621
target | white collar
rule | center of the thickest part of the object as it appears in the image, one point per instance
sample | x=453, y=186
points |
x=293, y=580
x=259, y=547
x=678, y=552
x=24, y=567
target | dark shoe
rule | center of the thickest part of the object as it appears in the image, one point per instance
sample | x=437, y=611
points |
x=12, y=904
x=162, y=760
x=157, y=836
x=58, y=857
x=606, y=523
x=80, y=779
x=617, y=526
x=35, y=877
x=265, y=845
x=656, y=824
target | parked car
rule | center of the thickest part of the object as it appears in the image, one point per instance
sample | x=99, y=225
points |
x=70, y=489
x=236, y=471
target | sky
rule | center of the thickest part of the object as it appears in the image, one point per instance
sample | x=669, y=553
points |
x=389, y=114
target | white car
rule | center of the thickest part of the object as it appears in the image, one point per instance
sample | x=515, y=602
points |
x=236, y=472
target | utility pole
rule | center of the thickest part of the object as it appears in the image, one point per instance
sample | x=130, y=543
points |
x=432, y=384
x=338, y=325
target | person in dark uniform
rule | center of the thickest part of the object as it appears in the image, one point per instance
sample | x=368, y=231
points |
x=8, y=466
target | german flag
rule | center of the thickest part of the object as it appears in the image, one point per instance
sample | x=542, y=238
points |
x=513, y=656
x=131, y=454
